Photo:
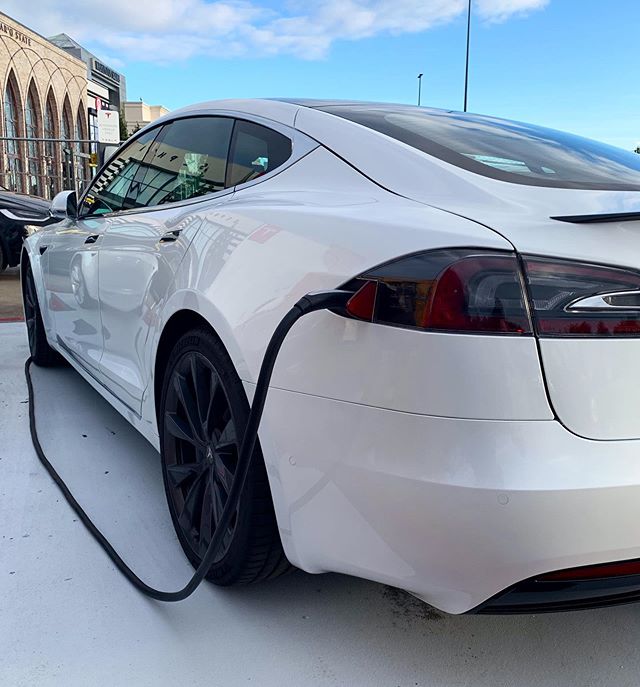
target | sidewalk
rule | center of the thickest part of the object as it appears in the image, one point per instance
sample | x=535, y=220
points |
x=68, y=618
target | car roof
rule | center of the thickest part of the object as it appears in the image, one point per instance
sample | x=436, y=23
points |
x=284, y=110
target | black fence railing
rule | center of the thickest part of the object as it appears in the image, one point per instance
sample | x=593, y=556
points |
x=45, y=166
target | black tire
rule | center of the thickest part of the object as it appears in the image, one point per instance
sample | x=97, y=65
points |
x=42, y=354
x=202, y=415
x=4, y=256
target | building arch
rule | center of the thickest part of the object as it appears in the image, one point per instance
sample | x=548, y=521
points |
x=33, y=127
x=67, y=133
x=51, y=156
x=13, y=129
x=81, y=148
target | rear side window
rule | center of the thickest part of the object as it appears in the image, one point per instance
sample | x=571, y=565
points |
x=188, y=160
x=255, y=150
x=502, y=149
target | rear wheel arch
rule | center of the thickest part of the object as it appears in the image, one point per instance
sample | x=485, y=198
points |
x=266, y=558
x=180, y=322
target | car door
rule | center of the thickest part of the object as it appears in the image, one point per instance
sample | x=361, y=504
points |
x=144, y=244
x=72, y=250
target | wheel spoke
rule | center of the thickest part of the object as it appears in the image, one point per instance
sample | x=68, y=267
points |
x=192, y=504
x=214, y=389
x=189, y=404
x=227, y=440
x=206, y=517
x=179, y=474
x=203, y=398
x=180, y=429
x=224, y=476
x=218, y=503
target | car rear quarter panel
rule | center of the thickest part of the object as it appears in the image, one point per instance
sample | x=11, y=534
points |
x=270, y=244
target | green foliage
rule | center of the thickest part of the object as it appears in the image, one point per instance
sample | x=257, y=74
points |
x=123, y=127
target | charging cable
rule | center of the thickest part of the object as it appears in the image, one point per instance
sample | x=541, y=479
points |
x=321, y=300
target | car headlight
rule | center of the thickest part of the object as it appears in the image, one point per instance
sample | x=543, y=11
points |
x=31, y=229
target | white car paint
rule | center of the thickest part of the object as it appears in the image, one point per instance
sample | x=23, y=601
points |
x=429, y=461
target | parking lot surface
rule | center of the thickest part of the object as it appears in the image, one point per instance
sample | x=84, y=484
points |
x=10, y=296
x=68, y=617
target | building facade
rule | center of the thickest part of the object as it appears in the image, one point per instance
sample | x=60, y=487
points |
x=106, y=87
x=44, y=97
x=138, y=114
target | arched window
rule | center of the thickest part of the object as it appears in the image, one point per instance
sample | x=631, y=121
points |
x=66, y=131
x=33, y=131
x=81, y=149
x=51, y=157
x=12, y=130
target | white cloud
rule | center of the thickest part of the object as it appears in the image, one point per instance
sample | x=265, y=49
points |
x=500, y=10
x=164, y=30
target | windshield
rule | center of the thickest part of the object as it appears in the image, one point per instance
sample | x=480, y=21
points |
x=502, y=149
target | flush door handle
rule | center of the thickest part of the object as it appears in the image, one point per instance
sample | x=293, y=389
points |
x=170, y=236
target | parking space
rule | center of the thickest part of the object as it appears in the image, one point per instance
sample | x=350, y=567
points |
x=10, y=297
x=69, y=618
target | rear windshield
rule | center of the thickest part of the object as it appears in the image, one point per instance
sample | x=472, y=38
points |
x=502, y=149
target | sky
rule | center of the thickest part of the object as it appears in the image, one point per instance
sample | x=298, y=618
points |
x=567, y=64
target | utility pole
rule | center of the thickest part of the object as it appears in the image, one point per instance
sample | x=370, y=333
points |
x=466, y=69
x=419, y=88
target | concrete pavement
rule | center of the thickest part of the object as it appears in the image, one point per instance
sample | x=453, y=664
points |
x=68, y=618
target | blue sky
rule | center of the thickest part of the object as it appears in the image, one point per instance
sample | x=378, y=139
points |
x=568, y=64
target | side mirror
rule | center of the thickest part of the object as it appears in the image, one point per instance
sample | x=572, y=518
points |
x=64, y=205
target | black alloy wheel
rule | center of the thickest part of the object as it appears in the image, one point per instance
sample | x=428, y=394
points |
x=39, y=348
x=202, y=415
x=201, y=453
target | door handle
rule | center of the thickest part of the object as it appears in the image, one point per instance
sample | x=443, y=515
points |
x=92, y=238
x=170, y=236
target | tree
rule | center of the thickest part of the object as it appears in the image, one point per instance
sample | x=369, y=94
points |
x=124, y=135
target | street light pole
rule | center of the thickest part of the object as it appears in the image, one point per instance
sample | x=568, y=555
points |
x=466, y=69
x=419, y=88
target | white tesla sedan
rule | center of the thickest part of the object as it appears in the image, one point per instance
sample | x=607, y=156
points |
x=468, y=431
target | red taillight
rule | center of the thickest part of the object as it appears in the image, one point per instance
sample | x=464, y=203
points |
x=593, y=572
x=362, y=303
x=480, y=293
x=469, y=290
x=457, y=290
x=572, y=299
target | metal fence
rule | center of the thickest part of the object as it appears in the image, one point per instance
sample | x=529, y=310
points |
x=45, y=166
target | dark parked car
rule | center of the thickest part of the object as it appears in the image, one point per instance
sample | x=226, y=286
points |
x=23, y=209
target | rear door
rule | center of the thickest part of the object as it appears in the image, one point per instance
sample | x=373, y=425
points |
x=144, y=244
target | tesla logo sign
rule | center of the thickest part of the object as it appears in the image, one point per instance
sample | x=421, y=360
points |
x=108, y=126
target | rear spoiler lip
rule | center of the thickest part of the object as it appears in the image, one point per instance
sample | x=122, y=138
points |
x=601, y=217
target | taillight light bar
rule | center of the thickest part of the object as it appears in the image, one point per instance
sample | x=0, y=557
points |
x=467, y=290
x=594, y=572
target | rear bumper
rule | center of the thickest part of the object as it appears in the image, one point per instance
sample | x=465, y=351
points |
x=454, y=511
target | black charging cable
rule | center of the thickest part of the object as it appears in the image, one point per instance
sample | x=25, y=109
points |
x=310, y=303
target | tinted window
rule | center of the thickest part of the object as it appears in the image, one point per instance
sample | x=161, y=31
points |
x=109, y=191
x=502, y=149
x=188, y=160
x=255, y=150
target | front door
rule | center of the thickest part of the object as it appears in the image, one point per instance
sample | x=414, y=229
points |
x=74, y=255
x=144, y=244
x=72, y=288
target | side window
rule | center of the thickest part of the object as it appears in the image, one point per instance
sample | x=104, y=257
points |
x=188, y=159
x=255, y=150
x=108, y=192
